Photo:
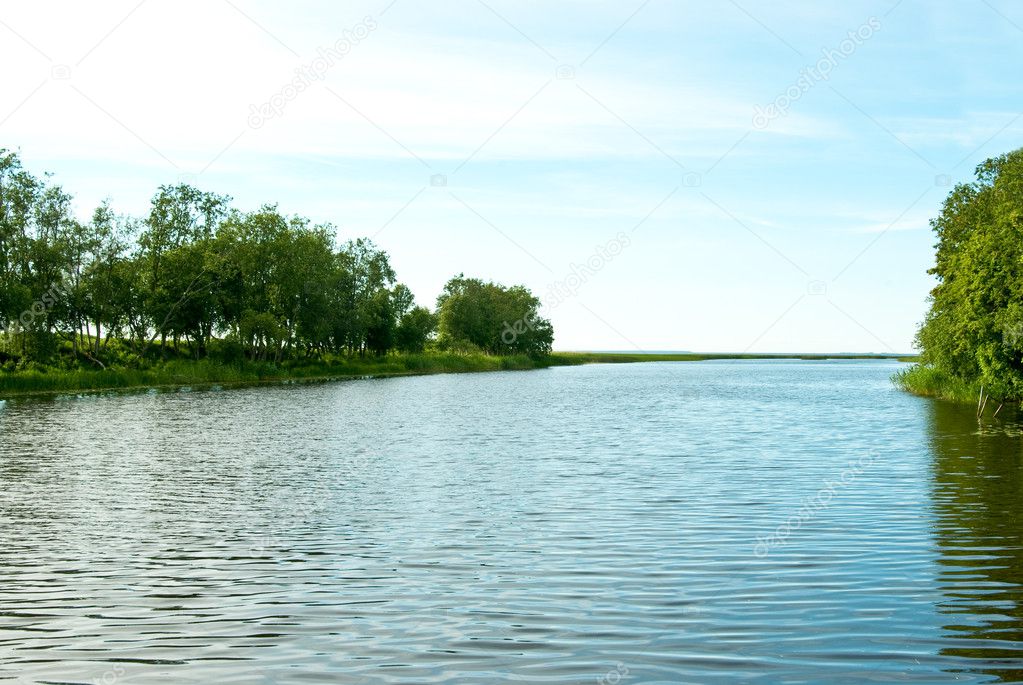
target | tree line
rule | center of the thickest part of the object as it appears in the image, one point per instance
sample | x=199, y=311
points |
x=197, y=276
x=973, y=333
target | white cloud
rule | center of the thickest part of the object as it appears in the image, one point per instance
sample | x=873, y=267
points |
x=177, y=81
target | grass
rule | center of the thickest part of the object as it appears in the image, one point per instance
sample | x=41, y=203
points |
x=183, y=372
x=928, y=381
x=178, y=373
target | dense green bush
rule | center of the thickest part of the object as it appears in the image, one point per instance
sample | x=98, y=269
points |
x=973, y=333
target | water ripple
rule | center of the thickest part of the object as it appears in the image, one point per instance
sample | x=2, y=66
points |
x=710, y=522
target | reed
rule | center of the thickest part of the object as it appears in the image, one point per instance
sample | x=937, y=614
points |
x=928, y=381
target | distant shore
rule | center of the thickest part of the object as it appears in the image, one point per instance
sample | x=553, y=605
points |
x=178, y=374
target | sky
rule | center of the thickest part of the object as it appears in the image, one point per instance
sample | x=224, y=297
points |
x=748, y=176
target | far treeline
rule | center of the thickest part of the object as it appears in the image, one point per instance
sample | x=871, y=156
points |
x=972, y=337
x=198, y=279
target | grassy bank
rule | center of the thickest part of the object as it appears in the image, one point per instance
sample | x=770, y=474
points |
x=179, y=373
x=183, y=372
x=927, y=381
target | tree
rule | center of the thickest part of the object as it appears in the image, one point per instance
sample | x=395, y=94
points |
x=974, y=329
x=272, y=287
x=380, y=321
x=473, y=314
x=363, y=270
x=102, y=285
x=415, y=330
x=19, y=191
x=181, y=223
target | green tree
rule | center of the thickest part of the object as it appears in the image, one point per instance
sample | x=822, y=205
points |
x=273, y=287
x=473, y=314
x=181, y=224
x=974, y=329
x=100, y=287
x=415, y=330
x=362, y=271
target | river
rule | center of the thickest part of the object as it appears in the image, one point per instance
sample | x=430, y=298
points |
x=709, y=522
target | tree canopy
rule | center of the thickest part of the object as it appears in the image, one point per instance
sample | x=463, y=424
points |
x=973, y=332
x=492, y=318
x=198, y=272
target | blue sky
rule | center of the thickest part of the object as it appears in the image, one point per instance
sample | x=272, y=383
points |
x=517, y=141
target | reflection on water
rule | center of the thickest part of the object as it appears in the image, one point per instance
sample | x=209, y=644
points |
x=978, y=499
x=559, y=526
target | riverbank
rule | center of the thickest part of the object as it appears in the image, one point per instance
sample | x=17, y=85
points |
x=179, y=373
x=188, y=373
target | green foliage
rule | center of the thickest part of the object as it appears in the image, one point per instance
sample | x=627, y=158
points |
x=196, y=279
x=32, y=377
x=415, y=330
x=931, y=382
x=473, y=314
x=973, y=333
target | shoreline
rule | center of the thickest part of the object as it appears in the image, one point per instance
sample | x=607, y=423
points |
x=203, y=375
x=927, y=381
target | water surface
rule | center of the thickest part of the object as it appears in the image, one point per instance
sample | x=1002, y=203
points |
x=712, y=522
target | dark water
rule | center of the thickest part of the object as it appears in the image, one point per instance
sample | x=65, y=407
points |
x=715, y=522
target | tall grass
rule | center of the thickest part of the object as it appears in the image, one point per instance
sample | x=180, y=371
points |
x=42, y=379
x=928, y=381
